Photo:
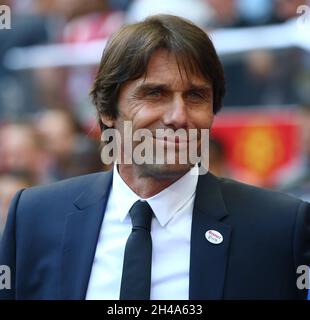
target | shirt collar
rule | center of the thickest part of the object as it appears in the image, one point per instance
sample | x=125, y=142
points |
x=164, y=204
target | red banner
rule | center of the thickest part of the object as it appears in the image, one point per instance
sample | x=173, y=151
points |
x=258, y=144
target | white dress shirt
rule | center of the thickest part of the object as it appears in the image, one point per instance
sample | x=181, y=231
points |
x=170, y=231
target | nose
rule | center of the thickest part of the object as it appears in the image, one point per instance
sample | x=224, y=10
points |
x=176, y=115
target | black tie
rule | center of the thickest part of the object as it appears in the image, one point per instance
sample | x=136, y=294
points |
x=136, y=277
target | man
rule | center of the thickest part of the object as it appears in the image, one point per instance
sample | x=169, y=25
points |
x=205, y=238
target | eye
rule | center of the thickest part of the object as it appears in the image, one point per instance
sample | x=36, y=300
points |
x=198, y=96
x=195, y=95
x=154, y=93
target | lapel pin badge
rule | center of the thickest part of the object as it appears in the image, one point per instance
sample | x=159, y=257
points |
x=214, y=237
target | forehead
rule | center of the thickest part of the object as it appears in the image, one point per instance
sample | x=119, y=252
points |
x=165, y=66
x=164, y=69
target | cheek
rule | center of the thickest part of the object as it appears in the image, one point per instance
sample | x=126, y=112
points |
x=146, y=116
x=203, y=120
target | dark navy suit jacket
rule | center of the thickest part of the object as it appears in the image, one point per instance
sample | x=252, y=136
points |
x=52, y=231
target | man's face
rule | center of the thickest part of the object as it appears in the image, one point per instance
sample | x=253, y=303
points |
x=165, y=98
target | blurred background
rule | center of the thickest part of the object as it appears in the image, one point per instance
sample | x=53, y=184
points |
x=49, y=57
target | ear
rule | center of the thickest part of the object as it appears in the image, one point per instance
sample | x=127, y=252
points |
x=210, y=124
x=107, y=120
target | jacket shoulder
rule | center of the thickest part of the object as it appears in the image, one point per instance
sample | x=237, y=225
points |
x=245, y=192
x=70, y=186
x=60, y=196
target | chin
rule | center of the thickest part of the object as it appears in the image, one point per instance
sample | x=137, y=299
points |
x=164, y=171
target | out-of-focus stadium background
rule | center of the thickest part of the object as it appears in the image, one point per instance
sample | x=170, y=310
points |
x=49, y=57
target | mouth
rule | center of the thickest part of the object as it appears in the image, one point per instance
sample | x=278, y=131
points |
x=171, y=139
x=177, y=145
x=175, y=140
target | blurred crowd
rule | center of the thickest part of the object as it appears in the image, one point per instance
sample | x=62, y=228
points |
x=48, y=129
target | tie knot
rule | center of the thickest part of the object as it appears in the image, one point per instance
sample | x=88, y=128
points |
x=141, y=215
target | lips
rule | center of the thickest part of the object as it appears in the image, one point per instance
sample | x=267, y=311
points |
x=173, y=139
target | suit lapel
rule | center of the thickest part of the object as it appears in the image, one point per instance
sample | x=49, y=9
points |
x=208, y=260
x=81, y=234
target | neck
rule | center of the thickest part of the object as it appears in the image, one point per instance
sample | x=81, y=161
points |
x=143, y=184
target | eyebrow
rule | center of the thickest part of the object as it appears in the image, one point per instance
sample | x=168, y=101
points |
x=159, y=86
